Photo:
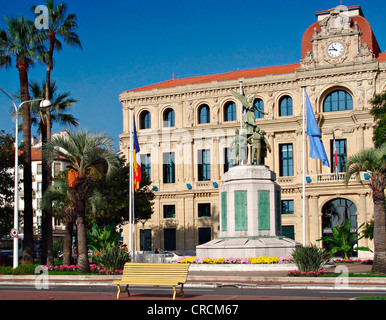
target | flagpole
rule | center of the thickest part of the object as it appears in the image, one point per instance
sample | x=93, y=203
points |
x=131, y=183
x=241, y=108
x=304, y=168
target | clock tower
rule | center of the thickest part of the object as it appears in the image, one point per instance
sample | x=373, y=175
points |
x=337, y=38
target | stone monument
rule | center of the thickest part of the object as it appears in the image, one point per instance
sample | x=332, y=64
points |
x=250, y=200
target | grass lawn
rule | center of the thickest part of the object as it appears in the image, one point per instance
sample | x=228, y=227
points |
x=371, y=298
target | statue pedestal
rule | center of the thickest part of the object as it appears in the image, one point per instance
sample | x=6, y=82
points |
x=250, y=217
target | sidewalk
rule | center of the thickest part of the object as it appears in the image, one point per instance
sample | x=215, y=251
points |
x=256, y=279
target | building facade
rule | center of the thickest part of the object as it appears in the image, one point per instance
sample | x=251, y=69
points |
x=185, y=129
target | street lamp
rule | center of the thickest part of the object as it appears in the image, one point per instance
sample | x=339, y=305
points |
x=43, y=104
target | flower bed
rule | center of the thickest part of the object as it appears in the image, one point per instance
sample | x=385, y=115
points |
x=250, y=260
x=369, y=261
x=297, y=273
x=93, y=269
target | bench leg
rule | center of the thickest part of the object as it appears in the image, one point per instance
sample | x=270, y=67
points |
x=174, y=292
x=182, y=290
x=126, y=290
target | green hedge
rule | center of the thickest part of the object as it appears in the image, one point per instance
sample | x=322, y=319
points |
x=23, y=269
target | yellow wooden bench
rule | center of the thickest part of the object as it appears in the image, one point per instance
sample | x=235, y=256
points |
x=156, y=274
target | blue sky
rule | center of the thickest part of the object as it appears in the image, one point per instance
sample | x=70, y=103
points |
x=128, y=44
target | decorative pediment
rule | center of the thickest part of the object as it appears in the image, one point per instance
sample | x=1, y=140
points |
x=335, y=24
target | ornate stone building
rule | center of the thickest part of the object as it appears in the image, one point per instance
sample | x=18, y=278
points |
x=185, y=128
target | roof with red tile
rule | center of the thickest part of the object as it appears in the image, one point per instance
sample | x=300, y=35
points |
x=36, y=154
x=251, y=73
x=382, y=57
x=364, y=26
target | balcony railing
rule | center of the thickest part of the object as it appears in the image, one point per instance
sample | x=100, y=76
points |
x=332, y=177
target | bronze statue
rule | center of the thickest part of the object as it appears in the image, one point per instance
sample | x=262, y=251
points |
x=251, y=139
x=239, y=148
x=259, y=144
x=249, y=117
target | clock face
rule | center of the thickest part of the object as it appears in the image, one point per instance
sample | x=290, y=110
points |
x=335, y=49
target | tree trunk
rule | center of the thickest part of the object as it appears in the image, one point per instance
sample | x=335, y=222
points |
x=67, y=245
x=47, y=240
x=28, y=242
x=83, y=263
x=379, y=265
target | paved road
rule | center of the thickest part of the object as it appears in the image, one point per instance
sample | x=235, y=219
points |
x=28, y=292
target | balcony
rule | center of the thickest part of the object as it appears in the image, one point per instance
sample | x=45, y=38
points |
x=333, y=177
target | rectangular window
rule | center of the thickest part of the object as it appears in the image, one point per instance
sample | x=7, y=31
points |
x=203, y=210
x=227, y=159
x=286, y=160
x=170, y=239
x=288, y=232
x=57, y=168
x=204, y=235
x=168, y=167
x=341, y=150
x=145, y=239
x=287, y=207
x=169, y=211
x=39, y=168
x=146, y=164
x=203, y=165
x=286, y=107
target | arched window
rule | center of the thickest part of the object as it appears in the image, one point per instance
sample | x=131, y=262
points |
x=338, y=100
x=230, y=111
x=260, y=105
x=204, y=114
x=169, y=118
x=145, y=120
x=335, y=213
x=285, y=106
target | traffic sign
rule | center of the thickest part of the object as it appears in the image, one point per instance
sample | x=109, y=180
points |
x=14, y=233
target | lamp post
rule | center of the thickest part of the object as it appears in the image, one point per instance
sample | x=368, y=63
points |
x=43, y=104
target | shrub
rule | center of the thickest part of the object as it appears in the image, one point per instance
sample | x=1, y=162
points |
x=112, y=259
x=102, y=239
x=6, y=270
x=25, y=269
x=309, y=258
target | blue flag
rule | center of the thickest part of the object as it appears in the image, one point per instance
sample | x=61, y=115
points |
x=317, y=150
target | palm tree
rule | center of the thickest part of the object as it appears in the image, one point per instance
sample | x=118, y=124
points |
x=63, y=208
x=379, y=113
x=59, y=24
x=88, y=156
x=62, y=25
x=22, y=41
x=373, y=161
x=60, y=103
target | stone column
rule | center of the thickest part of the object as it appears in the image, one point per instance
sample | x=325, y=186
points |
x=314, y=221
x=360, y=138
x=271, y=155
x=362, y=218
x=215, y=160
